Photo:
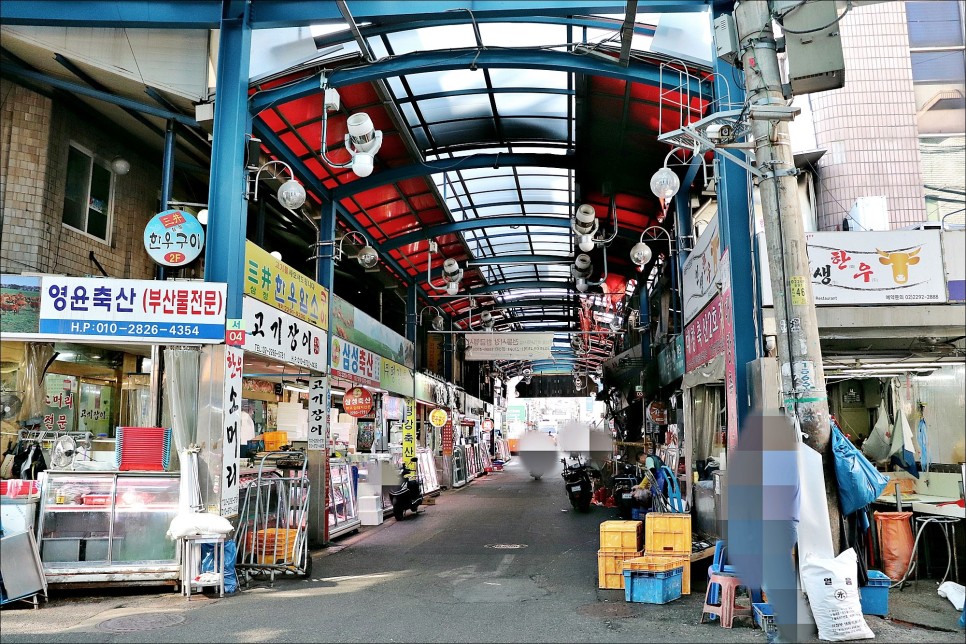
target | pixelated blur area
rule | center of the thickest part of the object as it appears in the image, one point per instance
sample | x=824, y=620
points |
x=578, y=438
x=762, y=506
x=538, y=452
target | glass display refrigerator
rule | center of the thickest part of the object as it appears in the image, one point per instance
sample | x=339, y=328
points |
x=343, y=509
x=459, y=466
x=426, y=465
x=108, y=527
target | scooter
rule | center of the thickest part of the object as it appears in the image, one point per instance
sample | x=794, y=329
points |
x=577, y=479
x=407, y=496
x=624, y=481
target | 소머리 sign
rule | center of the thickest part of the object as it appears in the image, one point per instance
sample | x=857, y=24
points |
x=357, y=402
x=438, y=417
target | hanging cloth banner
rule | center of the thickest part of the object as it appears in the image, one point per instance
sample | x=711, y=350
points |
x=508, y=346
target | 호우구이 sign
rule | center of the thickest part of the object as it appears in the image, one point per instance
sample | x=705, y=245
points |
x=132, y=310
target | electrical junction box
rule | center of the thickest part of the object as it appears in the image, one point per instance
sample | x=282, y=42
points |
x=814, y=55
x=726, y=38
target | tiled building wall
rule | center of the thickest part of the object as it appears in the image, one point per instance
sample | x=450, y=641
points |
x=869, y=126
x=36, y=135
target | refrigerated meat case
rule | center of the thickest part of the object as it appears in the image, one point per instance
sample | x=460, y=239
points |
x=108, y=527
x=343, y=508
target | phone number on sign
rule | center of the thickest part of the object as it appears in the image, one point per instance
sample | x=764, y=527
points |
x=913, y=296
x=136, y=329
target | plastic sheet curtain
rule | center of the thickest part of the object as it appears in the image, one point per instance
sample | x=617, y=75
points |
x=707, y=420
x=30, y=378
x=181, y=377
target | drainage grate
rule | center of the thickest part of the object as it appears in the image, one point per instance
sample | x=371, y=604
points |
x=142, y=622
x=505, y=546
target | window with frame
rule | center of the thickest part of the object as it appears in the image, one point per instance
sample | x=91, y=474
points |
x=88, y=197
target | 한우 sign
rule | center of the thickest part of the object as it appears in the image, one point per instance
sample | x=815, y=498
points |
x=174, y=238
x=132, y=310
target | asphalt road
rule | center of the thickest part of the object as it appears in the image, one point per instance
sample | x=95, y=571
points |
x=503, y=559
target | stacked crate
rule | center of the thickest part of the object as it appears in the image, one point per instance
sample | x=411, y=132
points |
x=619, y=540
x=653, y=579
x=669, y=536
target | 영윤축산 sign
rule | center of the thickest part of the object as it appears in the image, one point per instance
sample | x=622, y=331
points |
x=132, y=310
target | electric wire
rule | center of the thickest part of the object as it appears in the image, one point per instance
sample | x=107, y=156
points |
x=779, y=18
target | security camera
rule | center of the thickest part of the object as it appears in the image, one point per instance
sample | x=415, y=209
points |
x=585, y=226
x=363, y=142
x=719, y=132
x=582, y=267
x=452, y=272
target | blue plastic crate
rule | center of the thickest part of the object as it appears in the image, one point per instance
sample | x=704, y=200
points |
x=875, y=596
x=644, y=587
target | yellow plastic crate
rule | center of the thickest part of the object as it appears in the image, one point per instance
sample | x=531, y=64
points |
x=274, y=440
x=660, y=563
x=620, y=536
x=667, y=534
x=610, y=568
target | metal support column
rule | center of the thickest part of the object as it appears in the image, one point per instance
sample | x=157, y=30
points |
x=228, y=217
x=735, y=229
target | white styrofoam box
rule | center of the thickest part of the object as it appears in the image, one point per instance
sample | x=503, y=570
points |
x=372, y=517
x=370, y=503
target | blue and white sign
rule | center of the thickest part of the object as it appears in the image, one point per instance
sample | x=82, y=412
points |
x=174, y=238
x=132, y=310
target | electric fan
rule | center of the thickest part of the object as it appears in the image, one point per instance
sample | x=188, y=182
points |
x=9, y=406
x=63, y=452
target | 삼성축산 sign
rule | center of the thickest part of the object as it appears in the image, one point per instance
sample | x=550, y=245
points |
x=132, y=310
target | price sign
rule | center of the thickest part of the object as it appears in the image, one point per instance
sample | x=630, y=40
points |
x=409, y=439
x=318, y=414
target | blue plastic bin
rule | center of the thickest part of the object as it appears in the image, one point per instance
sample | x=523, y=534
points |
x=645, y=587
x=875, y=596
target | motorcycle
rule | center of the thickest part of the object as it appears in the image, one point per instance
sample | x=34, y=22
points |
x=407, y=496
x=624, y=481
x=580, y=487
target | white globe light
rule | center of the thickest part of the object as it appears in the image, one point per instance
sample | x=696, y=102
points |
x=291, y=194
x=367, y=257
x=362, y=164
x=665, y=184
x=640, y=253
x=203, y=216
x=120, y=165
x=277, y=255
x=439, y=323
x=586, y=243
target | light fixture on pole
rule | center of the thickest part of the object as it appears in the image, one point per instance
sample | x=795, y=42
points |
x=585, y=226
x=438, y=322
x=362, y=140
x=367, y=256
x=452, y=273
x=120, y=166
x=665, y=184
x=641, y=253
x=290, y=194
x=581, y=270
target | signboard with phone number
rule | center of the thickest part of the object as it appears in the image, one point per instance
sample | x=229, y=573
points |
x=132, y=310
x=270, y=332
x=355, y=363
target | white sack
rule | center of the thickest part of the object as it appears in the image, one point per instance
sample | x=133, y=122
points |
x=832, y=586
x=189, y=523
x=954, y=592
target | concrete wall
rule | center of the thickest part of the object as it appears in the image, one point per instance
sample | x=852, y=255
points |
x=37, y=132
x=869, y=126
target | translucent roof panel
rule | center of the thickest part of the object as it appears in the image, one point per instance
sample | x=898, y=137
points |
x=530, y=79
x=514, y=34
x=431, y=38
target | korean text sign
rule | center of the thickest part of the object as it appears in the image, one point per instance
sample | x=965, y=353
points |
x=877, y=267
x=703, y=339
x=133, y=310
x=318, y=414
x=284, y=288
x=270, y=332
x=355, y=363
x=174, y=238
x=230, y=439
x=409, y=439
x=508, y=346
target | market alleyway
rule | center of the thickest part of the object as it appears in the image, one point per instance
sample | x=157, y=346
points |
x=503, y=559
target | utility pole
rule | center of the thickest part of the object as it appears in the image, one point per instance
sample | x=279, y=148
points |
x=799, y=354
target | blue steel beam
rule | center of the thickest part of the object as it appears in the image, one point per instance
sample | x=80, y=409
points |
x=392, y=175
x=270, y=14
x=461, y=18
x=431, y=232
x=442, y=60
x=225, y=250
x=735, y=229
x=10, y=69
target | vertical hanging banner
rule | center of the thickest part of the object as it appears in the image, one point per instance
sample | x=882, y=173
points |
x=447, y=438
x=409, y=439
x=318, y=413
x=728, y=337
x=230, y=438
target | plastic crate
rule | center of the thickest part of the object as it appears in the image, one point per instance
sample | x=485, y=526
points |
x=620, y=536
x=666, y=534
x=274, y=440
x=656, y=563
x=610, y=568
x=764, y=617
x=644, y=587
x=875, y=596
